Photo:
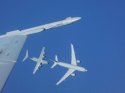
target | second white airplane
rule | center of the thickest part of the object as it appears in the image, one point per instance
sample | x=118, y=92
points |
x=39, y=61
x=72, y=67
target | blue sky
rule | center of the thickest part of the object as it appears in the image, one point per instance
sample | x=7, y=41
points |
x=99, y=41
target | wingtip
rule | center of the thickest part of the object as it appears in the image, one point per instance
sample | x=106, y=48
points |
x=33, y=73
x=44, y=47
x=72, y=45
x=86, y=70
x=57, y=83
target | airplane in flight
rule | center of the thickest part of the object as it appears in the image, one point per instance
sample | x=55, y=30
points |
x=39, y=61
x=71, y=67
x=12, y=43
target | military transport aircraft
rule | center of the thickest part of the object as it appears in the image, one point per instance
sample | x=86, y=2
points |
x=39, y=61
x=71, y=67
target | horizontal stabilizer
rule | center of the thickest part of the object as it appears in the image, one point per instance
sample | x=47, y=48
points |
x=26, y=56
x=34, y=59
x=55, y=63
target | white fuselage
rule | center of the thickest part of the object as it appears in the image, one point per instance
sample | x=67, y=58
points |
x=39, y=64
x=39, y=61
x=70, y=66
x=43, y=62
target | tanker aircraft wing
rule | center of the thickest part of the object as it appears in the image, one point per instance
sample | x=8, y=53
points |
x=10, y=48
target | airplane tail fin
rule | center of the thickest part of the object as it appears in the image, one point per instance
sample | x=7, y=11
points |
x=55, y=62
x=56, y=58
x=26, y=56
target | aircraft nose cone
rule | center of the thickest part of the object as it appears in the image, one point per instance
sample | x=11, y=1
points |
x=86, y=70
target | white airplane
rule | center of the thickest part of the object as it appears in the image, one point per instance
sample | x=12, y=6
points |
x=12, y=43
x=39, y=61
x=72, y=67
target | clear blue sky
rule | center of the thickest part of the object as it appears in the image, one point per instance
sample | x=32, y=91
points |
x=99, y=41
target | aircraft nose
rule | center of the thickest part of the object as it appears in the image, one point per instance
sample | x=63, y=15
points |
x=86, y=70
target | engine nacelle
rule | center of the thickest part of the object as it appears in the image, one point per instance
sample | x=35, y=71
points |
x=78, y=61
x=73, y=74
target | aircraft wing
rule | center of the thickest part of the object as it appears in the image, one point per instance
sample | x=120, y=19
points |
x=2, y=63
x=68, y=73
x=10, y=48
x=36, y=68
x=50, y=25
x=73, y=57
x=42, y=54
x=41, y=28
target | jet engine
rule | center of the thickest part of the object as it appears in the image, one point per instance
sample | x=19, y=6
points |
x=73, y=74
x=78, y=61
